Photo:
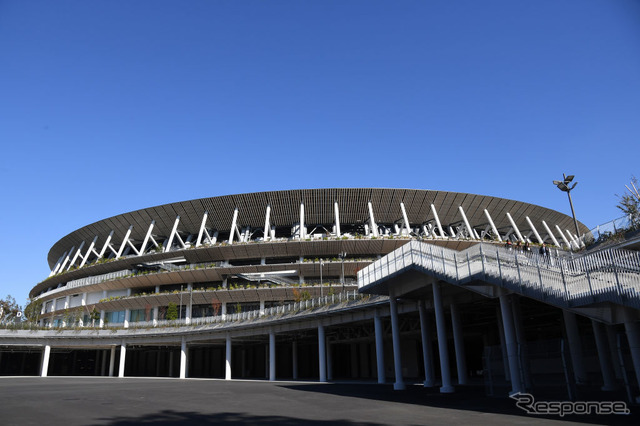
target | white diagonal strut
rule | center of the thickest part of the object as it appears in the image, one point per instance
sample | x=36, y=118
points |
x=267, y=223
x=553, y=237
x=563, y=237
x=301, y=231
x=58, y=263
x=466, y=223
x=66, y=259
x=106, y=244
x=173, y=234
x=405, y=218
x=75, y=256
x=337, y=212
x=435, y=215
x=515, y=227
x=533, y=228
x=89, y=250
x=124, y=242
x=493, y=225
x=233, y=225
x=202, y=228
x=374, y=227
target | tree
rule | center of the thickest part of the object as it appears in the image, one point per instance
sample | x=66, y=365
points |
x=33, y=309
x=9, y=309
x=630, y=201
x=172, y=312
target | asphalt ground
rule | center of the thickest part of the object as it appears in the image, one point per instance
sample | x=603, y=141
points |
x=112, y=401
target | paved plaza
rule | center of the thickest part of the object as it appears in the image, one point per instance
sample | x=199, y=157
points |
x=113, y=401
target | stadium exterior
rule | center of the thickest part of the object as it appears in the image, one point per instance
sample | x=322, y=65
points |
x=333, y=284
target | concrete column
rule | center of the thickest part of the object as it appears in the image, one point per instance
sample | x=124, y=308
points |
x=503, y=346
x=102, y=314
x=427, y=346
x=223, y=310
x=633, y=336
x=44, y=370
x=183, y=359
x=377, y=323
x=127, y=316
x=112, y=360
x=395, y=335
x=322, y=353
x=123, y=356
x=458, y=341
x=613, y=348
x=272, y=356
x=294, y=358
x=575, y=346
x=522, y=341
x=227, y=363
x=604, y=356
x=512, y=344
x=156, y=310
x=261, y=307
x=443, y=350
x=103, y=367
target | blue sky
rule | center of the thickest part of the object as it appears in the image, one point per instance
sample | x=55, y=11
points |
x=112, y=106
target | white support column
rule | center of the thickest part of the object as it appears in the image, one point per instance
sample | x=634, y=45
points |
x=106, y=244
x=633, y=337
x=427, y=346
x=123, y=357
x=322, y=353
x=512, y=345
x=261, y=307
x=272, y=355
x=515, y=227
x=466, y=222
x=143, y=247
x=575, y=346
x=112, y=360
x=377, y=324
x=183, y=358
x=172, y=235
x=124, y=242
x=227, y=361
x=573, y=239
x=395, y=334
x=203, y=226
x=443, y=350
x=405, y=218
x=233, y=225
x=553, y=237
x=435, y=216
x=458, y=341
x=302, y=229
x=223, y=310
x=374, y=227
x=156, y=311
x=75, y=256
x=535, y=231
x=604, y=356
x=127, y=316
x=67, y=259
x=267, y=223
x=337, y=213
x=563, y=237
x=86, y=255
x=102, y=315
x=294, y=359
x=44, y=369
x=58, y=264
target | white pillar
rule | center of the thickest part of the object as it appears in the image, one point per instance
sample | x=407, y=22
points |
x=604, y=356
x=377, y=324
x=44, y=370
x=395, y=334
x=374, y=227
x=515, y=227
x=156, y=310
x=183, y=358
x=458, y=340
x=272, y=356
x=633, y=336
x=427, y=346
x=563, y=237
x=575, y=346
x=322, y=353
x=466, y=222
x=267, y=223
x=227, y=363
x=337, y=213
x=512, y=345
x=203, y=225
x=405, y=218
x=535, y=231
x=233, y=225
x=301, y=232
x=443, y=350
x=493, y=225
x=112, y=360
x=435, y=216
x=261, y=307
x=123, y=356
x=553, y=238
x=294, y=358
x=127, y=316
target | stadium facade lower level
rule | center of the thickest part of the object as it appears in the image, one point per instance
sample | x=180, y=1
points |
x=335, y=284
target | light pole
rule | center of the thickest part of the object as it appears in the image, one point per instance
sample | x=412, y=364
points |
x=563, y=185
